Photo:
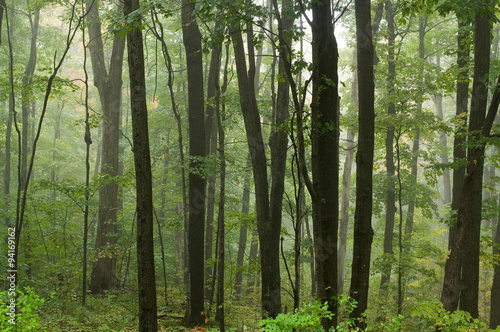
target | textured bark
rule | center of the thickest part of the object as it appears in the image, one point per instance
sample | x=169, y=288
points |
x=495, y=287
x=109, y=85
x=469, y=295
x=144, y=190
x=325, y=155
x=389, y=153
x=196, y=192
x=219, y=315
x=269, y=230
x=363, y=233
x=278, y=140
x=468, y=226
x=459, y=151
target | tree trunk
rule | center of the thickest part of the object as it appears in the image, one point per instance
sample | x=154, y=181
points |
x=219, y=316
x=109, y=86
x=389, y=155
x=469, y=295
x=495, y=287
x=468, y=224
x=211, y=149
x=196, y=225
x=459, y=150
x=346, y=183
x=242, y=242
x=325, y=155
x=363, y=233
x=144, y=190
x=268, y=230
x=438, y=102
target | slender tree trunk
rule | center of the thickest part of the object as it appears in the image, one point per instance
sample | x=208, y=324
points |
x=3, y=7
x=495, y=287
x=144, y=190
x=416, y=139
x=220, y=317
x=363, y=233
x=438, y=102
x=389, y=154
x=109, y=85
x=245, y=208
x=196, y=225
x=346, y=183
x=459, y=150
x=211, y=147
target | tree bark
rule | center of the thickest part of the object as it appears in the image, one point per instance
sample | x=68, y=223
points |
x=211, y=148
x=109, y=86
x=269, y=230
x=144, y=190
x=196, y=225
x=325, y=155
x=467, y=225
x=495, y=287
x=389, y=154
x=469, y=295
x=363, y=233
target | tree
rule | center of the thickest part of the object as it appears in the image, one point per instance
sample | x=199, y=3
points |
x=109, y=85
x=389, y=150
x=468, y=224
x=142, y=161
x=195, y=239
x=325, y=155
x=363, y=233
x=495, y=287
x=268, y=229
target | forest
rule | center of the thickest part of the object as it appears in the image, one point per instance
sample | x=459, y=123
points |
x=239, y=165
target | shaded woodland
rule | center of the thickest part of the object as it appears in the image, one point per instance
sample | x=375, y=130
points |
x=280, y=165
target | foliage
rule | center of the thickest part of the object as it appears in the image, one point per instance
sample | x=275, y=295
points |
x=307, y=318
x=27, y=306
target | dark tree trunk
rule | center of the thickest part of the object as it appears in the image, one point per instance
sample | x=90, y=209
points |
x=495, y=287
x=468, y=223
x=278, y=144
x=3, y=7
x=459, y=150
x=325, y=155
x=363, y=233
x=469, y=295
x=389, y=154
x=269, y=231
x=144, y=190
x=220, y=317
x=109, y=86
x=196, y=192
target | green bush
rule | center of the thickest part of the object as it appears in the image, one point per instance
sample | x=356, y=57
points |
x=26, y=316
